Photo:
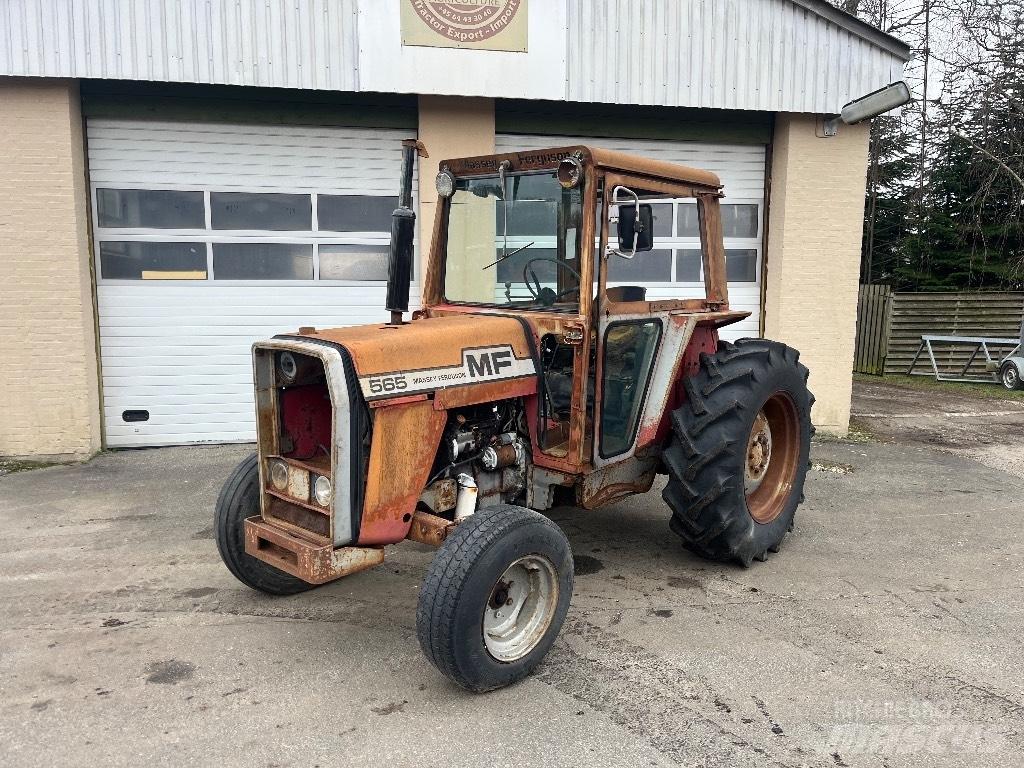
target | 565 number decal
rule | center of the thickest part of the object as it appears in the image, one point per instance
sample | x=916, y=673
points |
x=382, y=384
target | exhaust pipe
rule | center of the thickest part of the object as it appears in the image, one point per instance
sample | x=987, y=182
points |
x=403, y=232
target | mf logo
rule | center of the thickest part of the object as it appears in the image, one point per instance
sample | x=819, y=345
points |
x=486, y=363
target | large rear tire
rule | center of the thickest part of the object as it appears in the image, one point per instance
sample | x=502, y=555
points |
x=495, y=597
x=239, y=499
x=739, y=451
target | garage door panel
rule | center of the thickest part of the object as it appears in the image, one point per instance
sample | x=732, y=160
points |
x=181, y=350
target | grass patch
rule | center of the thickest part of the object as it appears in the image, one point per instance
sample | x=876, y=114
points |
x=929, y=384
x=10, y=466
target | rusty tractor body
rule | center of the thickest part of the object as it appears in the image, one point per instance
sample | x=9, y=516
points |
x=533, y=374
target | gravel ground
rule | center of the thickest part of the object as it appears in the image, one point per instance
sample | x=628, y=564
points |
x=982, y=422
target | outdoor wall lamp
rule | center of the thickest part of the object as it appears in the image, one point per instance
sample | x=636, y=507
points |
x=872, y=105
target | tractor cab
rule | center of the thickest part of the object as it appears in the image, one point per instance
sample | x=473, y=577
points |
x=551, y=237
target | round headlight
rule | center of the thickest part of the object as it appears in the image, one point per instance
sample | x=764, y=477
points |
x=570, y=172
x=445, y=184
x=322, y=491
x=279, y=475
x=289, y=368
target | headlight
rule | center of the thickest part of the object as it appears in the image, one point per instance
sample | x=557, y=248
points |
x=570, y=172
x=322, y=491
x=279, y=475
x=289, y=368
x=445, y=184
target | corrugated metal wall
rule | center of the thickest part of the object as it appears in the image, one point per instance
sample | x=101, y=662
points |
x=727, y=54
x=771, y=55
x=275, y=43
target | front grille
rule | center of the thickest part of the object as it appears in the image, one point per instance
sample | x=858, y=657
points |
x=316, y=421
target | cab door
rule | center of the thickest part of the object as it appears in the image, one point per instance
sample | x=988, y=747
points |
x=640, y=343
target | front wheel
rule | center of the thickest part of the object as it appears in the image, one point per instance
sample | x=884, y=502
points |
x=495, y=597
x=239, y=499
x=739, y=451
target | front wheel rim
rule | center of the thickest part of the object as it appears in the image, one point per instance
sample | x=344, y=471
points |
x=520, y=608
x=1009, y=377
x=773, y=454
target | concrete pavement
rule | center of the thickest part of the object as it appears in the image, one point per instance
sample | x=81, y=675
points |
x=886, y=633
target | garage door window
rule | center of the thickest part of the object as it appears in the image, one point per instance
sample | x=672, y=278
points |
x=261, y=210
x=150, y=208
x=676, y=257
x=153, y=261
x=214, y=235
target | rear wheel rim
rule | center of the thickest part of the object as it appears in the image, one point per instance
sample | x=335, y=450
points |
x=771, y=459
x=1009, y=377
x=520, y=608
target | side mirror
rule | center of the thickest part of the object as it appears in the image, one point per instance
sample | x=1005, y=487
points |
x=634, y=235
x=635, y=224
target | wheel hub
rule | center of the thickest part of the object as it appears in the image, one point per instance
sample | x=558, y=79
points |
x=520, y=609
x=759, y=453
x=773, y=453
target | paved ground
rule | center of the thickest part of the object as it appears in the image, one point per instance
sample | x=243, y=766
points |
x=886, y=633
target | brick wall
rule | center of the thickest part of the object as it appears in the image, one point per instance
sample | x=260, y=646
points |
x=49, y=390
x=449, y=126
x=815, y=220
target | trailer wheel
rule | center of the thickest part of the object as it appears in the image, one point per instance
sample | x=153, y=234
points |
x=495, y=597
x=739, y=451
x=239, y=499
x=1010, y=376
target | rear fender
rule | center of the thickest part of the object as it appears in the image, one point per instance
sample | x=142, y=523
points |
x=679, y=358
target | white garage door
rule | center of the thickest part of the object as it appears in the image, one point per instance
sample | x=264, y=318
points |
x=673, y=269
x=211, y=236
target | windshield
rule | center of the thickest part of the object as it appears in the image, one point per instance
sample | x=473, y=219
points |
x=513, y=241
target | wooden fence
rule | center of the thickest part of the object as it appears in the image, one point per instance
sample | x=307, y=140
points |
x=890, y=326
x=873, y=309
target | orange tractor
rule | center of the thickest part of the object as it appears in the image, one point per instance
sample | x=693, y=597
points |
x=528, y=379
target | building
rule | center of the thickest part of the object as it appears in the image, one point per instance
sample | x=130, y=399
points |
x=178, y=179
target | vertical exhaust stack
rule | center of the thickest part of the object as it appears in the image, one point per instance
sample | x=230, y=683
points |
x=403, y=232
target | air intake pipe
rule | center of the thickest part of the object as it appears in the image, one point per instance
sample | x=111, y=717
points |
x=403, y=233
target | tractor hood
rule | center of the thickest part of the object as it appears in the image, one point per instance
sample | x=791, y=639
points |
x=433, y=353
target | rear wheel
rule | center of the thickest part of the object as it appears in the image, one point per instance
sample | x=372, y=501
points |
x=495, y=597
x=1010, y=376
x=239, y=499
x=739, y=451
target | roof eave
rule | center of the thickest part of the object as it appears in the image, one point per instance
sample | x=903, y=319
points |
x=856, y=26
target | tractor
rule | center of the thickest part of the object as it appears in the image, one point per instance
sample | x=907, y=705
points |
x=529, y=377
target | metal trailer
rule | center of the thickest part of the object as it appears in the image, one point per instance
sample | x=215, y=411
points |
x=1009, y=370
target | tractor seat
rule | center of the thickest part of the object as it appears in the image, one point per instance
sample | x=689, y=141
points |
x=627, y=293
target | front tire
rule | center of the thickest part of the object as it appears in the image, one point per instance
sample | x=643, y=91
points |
x=495, y=597
x=739, y=451
x=239, y=499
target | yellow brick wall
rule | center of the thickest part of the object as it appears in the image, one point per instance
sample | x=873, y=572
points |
x=449, y=126
x=49, y=389
x=815, y=220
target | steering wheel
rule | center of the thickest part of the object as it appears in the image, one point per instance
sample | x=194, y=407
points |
x=543, y=294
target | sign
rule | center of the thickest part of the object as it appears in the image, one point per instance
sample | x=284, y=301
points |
x=490, y=25
x=479, y=364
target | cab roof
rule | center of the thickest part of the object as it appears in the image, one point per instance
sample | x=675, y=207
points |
x=537, y=159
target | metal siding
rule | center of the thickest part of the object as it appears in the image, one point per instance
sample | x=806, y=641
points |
x=276, y=43
x=732, y=54
x=771, y=55
x=741, y=169
x=181, y=350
